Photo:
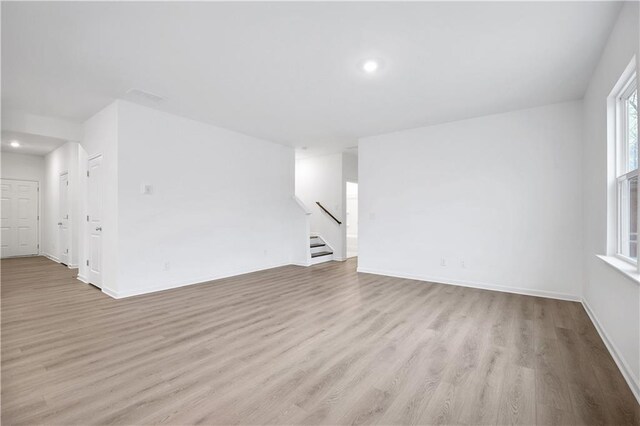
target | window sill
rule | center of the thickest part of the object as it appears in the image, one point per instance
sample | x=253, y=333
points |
x=626, y=268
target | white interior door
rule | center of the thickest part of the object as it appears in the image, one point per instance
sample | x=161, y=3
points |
x=63, y=223
x=18, y=218
x=94, y=220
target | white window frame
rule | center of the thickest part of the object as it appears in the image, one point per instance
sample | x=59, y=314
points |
x=622, y=161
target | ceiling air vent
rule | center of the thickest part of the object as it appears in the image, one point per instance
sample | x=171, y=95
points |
x=141, y=95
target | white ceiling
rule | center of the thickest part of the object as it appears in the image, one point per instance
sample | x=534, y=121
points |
x=29, y=144
x=288, y=72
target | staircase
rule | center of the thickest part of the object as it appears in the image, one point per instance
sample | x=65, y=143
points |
x=320, y=251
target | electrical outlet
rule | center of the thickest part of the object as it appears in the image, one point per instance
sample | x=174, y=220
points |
x=462, y=265
x=443, y=262
x=146, y=189
x=167, y=266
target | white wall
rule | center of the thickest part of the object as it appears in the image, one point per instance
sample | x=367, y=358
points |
x=300, y=231
x=20, y=121
x=22, y=167
x=613, y=298
x=57, y=162
x=350, y=168
x=26, y=167
x=101, y=138
x=221, y=202
x=499, y=193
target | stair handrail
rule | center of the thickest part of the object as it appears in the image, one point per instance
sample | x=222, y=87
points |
x=329, y=213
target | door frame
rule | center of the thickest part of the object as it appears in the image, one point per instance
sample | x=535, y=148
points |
x=39, y=240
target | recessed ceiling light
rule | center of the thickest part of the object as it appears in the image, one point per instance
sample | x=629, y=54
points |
x=370, y=66
x=15, y=144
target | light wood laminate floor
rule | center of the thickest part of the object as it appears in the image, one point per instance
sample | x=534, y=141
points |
x=293, y=345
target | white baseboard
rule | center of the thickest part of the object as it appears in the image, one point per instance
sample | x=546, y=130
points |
x=473, y=284
x=169, y=286
x=111, y=293
x=55, y=259
x=628, y=375
x=83, y=279
x=51, y=257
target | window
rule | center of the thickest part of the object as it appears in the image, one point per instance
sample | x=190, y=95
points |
x=627, y=170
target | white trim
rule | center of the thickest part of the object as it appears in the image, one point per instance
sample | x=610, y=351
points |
x=473, y=284
x=82, y=278
x=20, y=256
x=629, y=377
x=623, y=266
x=628, y=175
x=70, y=266
x=51, y=257
x=170, y=286
x=624, y=258
x=302, y=206
x=624, y=88
x=113, y=294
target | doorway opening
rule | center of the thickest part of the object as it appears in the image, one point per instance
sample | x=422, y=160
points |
x=352, y=219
